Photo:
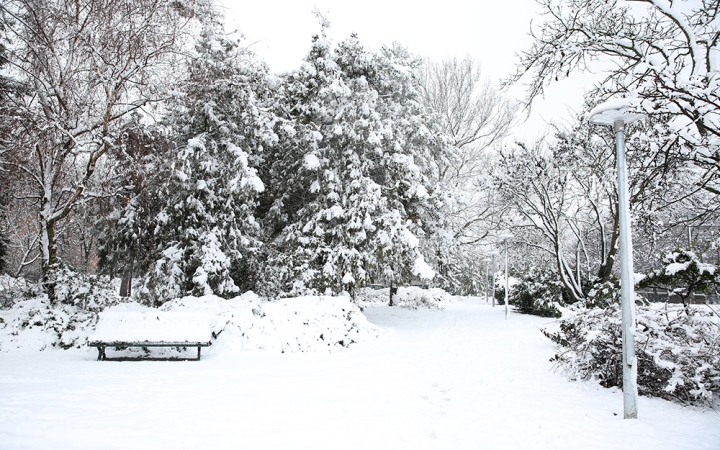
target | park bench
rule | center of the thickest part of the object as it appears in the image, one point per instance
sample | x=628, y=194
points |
x=121, y=330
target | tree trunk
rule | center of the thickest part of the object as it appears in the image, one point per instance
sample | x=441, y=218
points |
x=48, y=248
x=393, y=291
x=605, y=270
x=126, y=281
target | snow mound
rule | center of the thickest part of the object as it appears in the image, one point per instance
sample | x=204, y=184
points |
x=244, y=323
x=152, y=326
x=301, y=324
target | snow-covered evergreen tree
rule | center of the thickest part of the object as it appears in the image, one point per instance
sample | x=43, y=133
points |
x=350, y=188
x=208, y=223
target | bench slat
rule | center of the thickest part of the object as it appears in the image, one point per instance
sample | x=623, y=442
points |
x=148, y=344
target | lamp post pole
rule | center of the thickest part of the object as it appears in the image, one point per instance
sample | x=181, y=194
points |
x=616, y=113
x=627, y=287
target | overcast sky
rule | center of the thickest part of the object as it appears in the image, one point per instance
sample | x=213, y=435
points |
x=491, y=30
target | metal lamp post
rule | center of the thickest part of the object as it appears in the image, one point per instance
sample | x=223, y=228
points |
x=505, y=238
x=617, y=113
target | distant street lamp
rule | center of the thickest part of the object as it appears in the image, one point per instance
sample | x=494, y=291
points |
x=487, y=269
x=493, y=254
x=505, y=238
x=617, y=113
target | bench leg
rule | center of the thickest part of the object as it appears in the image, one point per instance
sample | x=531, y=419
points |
x=199, y=352
x=101, y=353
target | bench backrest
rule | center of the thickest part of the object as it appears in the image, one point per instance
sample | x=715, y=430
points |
x=152, y=326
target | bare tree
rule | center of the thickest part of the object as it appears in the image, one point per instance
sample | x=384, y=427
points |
x=476, y=117
x=662, y=53
x=562, y=198
x=471, y=111
x=87, y=64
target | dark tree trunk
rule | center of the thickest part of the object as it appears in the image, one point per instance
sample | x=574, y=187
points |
x=126, y=281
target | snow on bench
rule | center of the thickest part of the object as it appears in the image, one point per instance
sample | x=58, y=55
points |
x=150, y=329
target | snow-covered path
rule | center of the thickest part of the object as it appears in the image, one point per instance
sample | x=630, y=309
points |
x=459, y=378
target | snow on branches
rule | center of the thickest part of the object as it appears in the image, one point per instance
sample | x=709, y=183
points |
x=349, y=182
x=678, y=353
x=663, y=52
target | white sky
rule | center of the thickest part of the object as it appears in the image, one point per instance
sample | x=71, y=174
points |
x=491, y=30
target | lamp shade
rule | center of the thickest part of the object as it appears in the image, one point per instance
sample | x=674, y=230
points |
x=613, y=110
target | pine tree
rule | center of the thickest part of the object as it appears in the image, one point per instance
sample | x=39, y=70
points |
x=208, y=221
x=350, y=194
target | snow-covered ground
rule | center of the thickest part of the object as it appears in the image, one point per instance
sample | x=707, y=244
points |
x=458, y=378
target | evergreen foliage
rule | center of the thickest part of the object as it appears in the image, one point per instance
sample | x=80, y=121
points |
x=349, y=181
x=538, y=292
x=207, y=221
x=676, y=349
x=128, y=221
x=683, y=272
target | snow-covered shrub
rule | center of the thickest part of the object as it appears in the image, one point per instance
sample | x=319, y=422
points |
x=87, y=291
x=604, y=294
x=538, y=292
x=13, y=289
x=685, y=273
x=370, y=295
x=412, y=297
x=29, y=321
x=305, y=324
x=678, y=350
x=35, y=324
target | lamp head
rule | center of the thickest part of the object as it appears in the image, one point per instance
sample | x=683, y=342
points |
x=615, y=110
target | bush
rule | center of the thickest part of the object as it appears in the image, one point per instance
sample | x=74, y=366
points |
x=410, y=297
x=677, y=351
x=87, y=291
x=538, y=292
x=370, y=295
x=602, y=295
x=684, y=273
x=30, y=321
x=14, y=289
x=36, y=324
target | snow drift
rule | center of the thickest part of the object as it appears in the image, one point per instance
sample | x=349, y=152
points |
x=244, y=323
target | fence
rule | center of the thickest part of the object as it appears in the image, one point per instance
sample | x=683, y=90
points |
x=664, y=295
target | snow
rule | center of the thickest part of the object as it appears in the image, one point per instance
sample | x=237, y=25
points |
x=673, y=268
x=422, y=269
x=151, y=326
x=612, y=110
x=458, y=378
x=312, y=162
x=253, y=181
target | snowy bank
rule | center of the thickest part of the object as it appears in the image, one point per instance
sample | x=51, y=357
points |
x=300, y=324
x=303, y=324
